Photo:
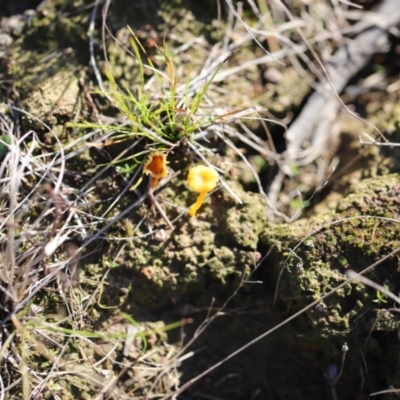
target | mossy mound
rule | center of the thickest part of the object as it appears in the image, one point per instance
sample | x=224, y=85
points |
x=363, y=229
x=204, y=257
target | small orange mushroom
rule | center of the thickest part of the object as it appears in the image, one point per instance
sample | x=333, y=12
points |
x=202, y=180
x=156, y=166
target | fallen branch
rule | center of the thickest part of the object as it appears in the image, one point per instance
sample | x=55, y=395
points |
x=314, y=122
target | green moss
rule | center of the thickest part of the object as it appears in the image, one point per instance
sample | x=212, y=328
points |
x=204, y=252
x=362, y=229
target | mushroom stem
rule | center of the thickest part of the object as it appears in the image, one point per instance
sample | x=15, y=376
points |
x=154, y=182
x=193, y=209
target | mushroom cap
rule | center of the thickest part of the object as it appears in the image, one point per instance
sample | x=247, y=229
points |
x=202, y=179
x=156, y=165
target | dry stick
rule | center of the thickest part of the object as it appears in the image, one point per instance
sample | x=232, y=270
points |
x=280, y=325
x=14, y=185
x=2, y=392
x=91, y=50
x=350, y=273
x=385, y=391
x=255, y=175
x=156, y=204
x=321, y=108
x=237, y=15
x=294, y=50
x=71, y=249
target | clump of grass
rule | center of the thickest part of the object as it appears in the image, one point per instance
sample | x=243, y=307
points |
x=153, y=122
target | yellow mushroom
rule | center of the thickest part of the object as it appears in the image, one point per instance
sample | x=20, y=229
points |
x=156, y=166
x=202, y=180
